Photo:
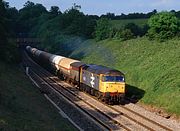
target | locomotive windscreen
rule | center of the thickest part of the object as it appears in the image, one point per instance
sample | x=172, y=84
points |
x=113, y=79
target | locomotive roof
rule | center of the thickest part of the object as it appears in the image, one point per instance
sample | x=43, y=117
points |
x=99, y=69
x=77, y=64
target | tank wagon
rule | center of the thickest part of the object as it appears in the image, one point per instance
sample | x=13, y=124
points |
x=105, y=83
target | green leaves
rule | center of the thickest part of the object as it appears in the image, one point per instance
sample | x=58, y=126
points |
x=102, y=29
x=163, y=26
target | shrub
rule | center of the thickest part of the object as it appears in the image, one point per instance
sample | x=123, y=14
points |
x=102, y=29
x=163, y=26
x=112, y=32
x=126, y=34
x=135, y=29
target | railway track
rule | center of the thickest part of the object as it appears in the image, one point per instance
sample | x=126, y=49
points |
x=114, y=117
x=140, y=119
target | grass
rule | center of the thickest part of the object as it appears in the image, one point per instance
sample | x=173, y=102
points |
x=119, y=23
x=22, y=107
x=151, y=66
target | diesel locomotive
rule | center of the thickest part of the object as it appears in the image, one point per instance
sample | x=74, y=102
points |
x=105, y=83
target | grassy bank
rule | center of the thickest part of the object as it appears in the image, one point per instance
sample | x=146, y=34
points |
x=22, y=107
x=148, y=65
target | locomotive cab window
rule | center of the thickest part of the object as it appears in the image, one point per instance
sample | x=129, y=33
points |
x=113, y=79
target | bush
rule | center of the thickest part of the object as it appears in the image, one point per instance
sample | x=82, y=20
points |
x=127, y=34
x=12, y=54
x=124, y=34
x=112, y=32
x=135, y=29
x=102, y=29
x=163, y=26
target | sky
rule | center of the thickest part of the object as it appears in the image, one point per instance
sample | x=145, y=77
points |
x=98, y=7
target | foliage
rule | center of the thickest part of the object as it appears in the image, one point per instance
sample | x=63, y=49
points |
x=8, y=50
x=120, y=23
x=113, y=32
x=71, y=22
x=135, y=29
x=3, y=33
x=12, y=15
x=75, y=22
x=124, y=34
x=112, y=16
x=102, y=29
x=53, y=30
x=128, y=31
x=131, y=27
x=163, y=26
x=55, y=10
x=28, y=16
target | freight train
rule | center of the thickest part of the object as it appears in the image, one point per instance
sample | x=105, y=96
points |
x=105, y=83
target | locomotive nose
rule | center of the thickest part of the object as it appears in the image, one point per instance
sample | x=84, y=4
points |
x=114, y=87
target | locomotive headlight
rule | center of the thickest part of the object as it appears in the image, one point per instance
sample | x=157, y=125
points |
x=123, y=79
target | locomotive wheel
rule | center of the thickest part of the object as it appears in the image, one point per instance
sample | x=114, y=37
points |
x=88, y=90
x=99, y=95
x=93, y=92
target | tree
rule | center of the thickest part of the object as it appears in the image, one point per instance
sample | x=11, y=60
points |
x=108, y=15
x=8, y=50
x=74, y=22
x=3, y=33
x=135, y=29
x=29, y=4
x=148, y=15
x=28, y=16
x=12, y=15
x=76, y=7
x=102, y=29
x=55, y=10
x=163, y=25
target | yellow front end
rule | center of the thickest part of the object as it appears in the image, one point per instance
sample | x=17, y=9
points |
x=113, y=87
